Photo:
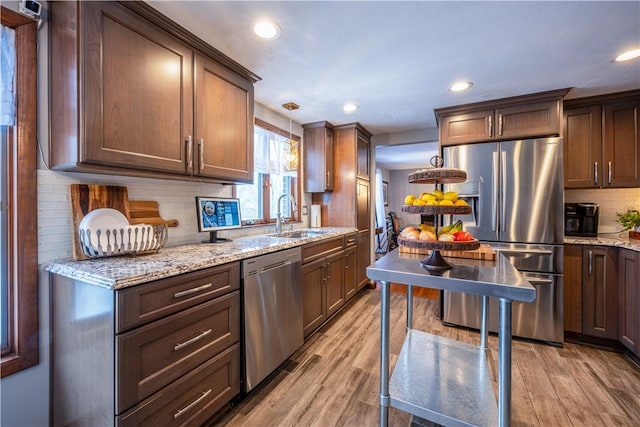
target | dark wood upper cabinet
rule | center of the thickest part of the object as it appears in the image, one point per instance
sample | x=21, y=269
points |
x=318, y=157
x=621, y=150
x=601, y=143
x=582, y=159
x=223, y=121
x=122, y=97
x=526, y=116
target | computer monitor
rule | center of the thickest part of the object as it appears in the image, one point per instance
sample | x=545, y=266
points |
x=216, y=214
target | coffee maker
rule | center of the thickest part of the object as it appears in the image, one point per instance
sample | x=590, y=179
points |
x=581, y=219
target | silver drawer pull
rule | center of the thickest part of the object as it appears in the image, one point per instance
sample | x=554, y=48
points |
x=191, y=405
x=525, y=251
x=192, y=340
x=192, y=291
x=537, y=280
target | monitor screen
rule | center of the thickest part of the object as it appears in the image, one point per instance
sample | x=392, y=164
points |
x=218, y=213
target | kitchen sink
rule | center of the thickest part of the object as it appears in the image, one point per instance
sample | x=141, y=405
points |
x=299, y=234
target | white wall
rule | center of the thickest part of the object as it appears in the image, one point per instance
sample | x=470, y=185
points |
x=24, y=397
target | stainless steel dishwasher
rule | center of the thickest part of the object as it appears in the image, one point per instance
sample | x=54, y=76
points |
x=272, y=312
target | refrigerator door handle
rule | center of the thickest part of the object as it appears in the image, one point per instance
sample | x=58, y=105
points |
x=503, y=183
x=494, y=191
x=524, y=251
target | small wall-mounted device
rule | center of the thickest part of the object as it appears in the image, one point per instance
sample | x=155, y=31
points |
x=31, y=8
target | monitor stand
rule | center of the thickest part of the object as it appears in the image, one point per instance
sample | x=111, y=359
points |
x=213, y=238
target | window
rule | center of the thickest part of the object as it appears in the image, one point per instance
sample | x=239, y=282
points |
x=275, y=173
x=18, y=206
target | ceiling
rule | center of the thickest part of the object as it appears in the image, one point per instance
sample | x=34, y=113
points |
x=396, y=60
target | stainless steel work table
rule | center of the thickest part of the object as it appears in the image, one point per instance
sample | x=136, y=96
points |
x=436, y=378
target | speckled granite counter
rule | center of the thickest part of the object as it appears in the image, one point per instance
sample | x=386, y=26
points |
x=125, y=271
x=620, y=240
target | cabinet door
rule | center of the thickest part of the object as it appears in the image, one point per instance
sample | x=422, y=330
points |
x=349, y=278
x=621, y=144
x=363, y=259
x=314, y=310
x=600, y=296
x=629, y=299
x=137, y=91
x=573, y=288
x=334, y=270
x=470, y=127
x=363, y=205
x=582, y=135
x=528, y=120
x=318, y=158
x=362, y=155
x=223, y=146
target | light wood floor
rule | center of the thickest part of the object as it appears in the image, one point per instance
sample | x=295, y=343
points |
x=333, y=379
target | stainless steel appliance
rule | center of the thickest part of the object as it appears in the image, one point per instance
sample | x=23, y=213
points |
x=515, y=189
x=581, y=219
x=272, y=312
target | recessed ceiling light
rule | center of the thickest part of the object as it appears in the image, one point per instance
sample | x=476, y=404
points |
x=628, y=55
x=267, y=30
x=350, y=107
x=460, y=86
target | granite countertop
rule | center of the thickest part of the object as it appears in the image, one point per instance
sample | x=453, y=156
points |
x=124, y=271
x=620, y=240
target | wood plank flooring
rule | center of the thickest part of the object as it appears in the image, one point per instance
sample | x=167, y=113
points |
x=333, y=379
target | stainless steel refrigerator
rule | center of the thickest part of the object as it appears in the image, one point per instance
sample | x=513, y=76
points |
x=515, y=189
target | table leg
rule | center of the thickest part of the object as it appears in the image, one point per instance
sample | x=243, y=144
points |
x=384, y=354
x=504, y=364
x=409, y=306
x=484, y=327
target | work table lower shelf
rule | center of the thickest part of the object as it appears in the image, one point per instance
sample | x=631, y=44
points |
x=444, y=381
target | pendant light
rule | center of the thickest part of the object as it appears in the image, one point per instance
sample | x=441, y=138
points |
x=291, y=154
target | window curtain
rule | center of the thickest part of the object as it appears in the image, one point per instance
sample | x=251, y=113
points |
x=381, y=238
x=7, y=70
x=271, y=153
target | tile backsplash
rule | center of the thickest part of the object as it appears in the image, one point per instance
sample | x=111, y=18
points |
x=611, y=200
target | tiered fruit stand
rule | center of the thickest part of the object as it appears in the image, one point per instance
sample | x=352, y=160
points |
x=437, y=175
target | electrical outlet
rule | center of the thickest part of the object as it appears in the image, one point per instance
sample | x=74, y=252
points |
x=304, y=210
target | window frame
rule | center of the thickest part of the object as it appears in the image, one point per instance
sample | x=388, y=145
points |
x=267, y=218
x=22, y=230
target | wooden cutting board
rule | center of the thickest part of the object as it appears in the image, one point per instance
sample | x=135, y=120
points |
x=88, y=197
x=483, y=252
x=147, y=212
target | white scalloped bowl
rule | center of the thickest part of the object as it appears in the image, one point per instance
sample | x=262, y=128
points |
x=103, y=219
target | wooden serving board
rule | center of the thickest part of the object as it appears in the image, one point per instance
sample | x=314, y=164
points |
x=483, y=252
x=88, y=197
x=147, y=212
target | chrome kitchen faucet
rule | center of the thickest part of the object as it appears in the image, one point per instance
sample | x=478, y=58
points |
x=279, y=219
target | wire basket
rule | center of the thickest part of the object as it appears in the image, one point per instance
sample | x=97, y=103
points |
x=129, y=240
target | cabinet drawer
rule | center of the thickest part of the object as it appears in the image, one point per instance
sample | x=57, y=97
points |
x=192, y=399
x=320, y=249
x=142, y=304
x=154, y=355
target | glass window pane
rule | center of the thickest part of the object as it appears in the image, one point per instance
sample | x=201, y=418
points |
x=281, y=184
x=4, y=279
x=250, y=196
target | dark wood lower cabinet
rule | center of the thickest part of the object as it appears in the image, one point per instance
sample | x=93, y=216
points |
x=600, y=291
x=573, y=288
x=629, y=299
x=350, y=282
x=314, y=311
x=161, y=353
x=329, y=279
x=334, y=283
